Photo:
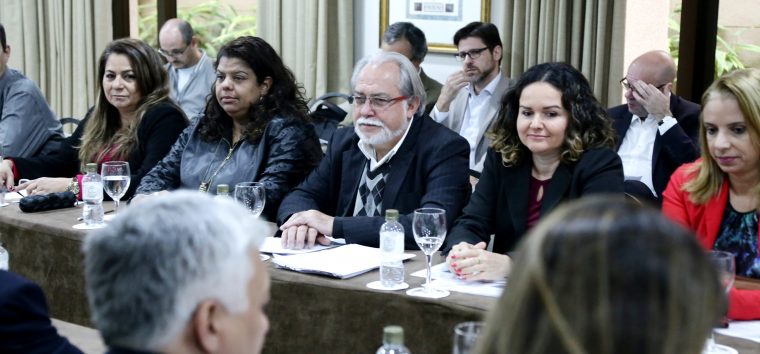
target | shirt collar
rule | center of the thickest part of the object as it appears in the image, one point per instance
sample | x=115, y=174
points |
x=369, y=151
x=489, y=88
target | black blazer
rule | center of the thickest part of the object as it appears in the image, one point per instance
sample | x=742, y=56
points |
x=159, y=128
x=499, y=205
x=430, y=169
x=679, y=145
x=25, y=325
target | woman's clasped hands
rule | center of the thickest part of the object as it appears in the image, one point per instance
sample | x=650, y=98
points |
x=473, y=262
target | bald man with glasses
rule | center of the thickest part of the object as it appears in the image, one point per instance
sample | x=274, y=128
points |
x=470, y=97
x=657, y=130
x=191, y=71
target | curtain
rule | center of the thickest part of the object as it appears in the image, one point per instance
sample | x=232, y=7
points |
x=314, y=38
x=587, y=34
x=57, y=44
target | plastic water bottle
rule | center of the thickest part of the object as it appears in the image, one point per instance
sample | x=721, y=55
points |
x=391, y=250
x=393, y=341
x=222, y=191
x=92, y=194
x=3, y=258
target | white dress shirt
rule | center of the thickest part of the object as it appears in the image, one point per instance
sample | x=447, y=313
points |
x=638, y=146
x=475, y=119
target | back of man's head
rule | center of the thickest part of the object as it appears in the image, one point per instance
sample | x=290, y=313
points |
x=149, y=269
x=412, y=34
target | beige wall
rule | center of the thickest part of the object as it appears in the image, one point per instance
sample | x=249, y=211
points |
x=646, y=28
x=741, y=25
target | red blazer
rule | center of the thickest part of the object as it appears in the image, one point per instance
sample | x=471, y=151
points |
x=705, y=220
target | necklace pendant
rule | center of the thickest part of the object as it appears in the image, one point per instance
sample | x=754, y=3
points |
x=203, y=187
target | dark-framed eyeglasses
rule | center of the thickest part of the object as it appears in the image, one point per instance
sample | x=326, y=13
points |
x=378, y=103
x=473, y=53
x=174, y=52
x=627, y=85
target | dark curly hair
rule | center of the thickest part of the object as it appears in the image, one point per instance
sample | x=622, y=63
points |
x=284, y=98
x=588, y=125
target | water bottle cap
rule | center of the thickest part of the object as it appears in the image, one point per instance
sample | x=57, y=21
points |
x=391, y=214
x=222, y=189
x=91, y=167
x=393, y=335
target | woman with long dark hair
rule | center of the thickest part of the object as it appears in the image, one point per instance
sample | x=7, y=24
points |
x=552, y=142
x=255, y=129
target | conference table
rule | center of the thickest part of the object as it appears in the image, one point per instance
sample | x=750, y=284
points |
x=307, y=313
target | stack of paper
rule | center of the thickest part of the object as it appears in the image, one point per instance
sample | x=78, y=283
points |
x=339, y=262
x=274, y=245
x=442, y=278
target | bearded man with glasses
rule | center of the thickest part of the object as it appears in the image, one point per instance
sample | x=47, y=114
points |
x=470, y=97
x=394, y=157
x=657, y=130
x=191, y=71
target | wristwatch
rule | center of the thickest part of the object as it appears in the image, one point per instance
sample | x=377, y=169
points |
x=73, y=186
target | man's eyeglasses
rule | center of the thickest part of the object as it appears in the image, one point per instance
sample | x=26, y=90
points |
x=473, y=53
x=174, y=52
x=627, y=86
x=378, y=103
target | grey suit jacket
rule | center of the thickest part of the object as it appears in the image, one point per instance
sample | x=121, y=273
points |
x=432, y=91
x=456, y=117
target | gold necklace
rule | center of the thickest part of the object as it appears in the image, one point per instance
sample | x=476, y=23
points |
x=205, y=185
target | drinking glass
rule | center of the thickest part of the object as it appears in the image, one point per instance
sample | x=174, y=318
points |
x=465, y=336
x=115, y=180
x=429, y=228
x=252, y=195
x=726, y=267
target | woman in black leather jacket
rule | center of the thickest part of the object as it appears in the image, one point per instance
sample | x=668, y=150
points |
x=255, y=129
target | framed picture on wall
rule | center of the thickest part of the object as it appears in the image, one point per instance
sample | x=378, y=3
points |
x=439, y=19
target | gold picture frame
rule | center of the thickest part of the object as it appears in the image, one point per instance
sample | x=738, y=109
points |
x=436, y=28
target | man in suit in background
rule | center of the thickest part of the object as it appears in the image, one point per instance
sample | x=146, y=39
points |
x=191, y=71
x=179, y=274
x=657, y=130
x=28, y=127
x=408, y=40
x=470, y=98
x=25, y=325
x=394, y=157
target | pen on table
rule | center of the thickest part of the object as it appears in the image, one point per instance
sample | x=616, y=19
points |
x=104, y=213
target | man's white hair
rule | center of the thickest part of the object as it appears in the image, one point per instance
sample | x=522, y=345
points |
x=148, y=270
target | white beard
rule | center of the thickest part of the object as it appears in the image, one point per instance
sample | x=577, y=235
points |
x=384, y=136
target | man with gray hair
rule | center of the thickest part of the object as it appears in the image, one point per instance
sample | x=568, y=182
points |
x=394, y=157
x=408, y=40
x=179, y=274
x=191, y=71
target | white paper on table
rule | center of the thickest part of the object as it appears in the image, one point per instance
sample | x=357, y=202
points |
x=14, y=197
x=749, y=330
x=442, y=278
x=274, y=245
x=340, y=262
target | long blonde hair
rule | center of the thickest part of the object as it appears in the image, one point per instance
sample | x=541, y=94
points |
x=744, y=86
x=104, y=129
x=602, y=275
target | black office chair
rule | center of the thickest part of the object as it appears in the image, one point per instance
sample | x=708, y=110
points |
x=71, y=123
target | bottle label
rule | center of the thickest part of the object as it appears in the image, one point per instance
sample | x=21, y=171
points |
x=92, y=190
x=392, y=245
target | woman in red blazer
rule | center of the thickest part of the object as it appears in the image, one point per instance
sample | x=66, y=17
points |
x=718, y=196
